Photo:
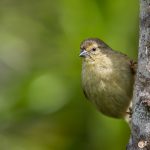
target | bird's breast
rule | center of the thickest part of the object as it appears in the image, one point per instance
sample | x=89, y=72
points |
x=96, y=77
x=100, y=67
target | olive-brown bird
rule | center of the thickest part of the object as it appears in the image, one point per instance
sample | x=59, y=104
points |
x=107, y=77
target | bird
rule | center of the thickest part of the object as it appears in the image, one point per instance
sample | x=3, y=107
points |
x=107, y=78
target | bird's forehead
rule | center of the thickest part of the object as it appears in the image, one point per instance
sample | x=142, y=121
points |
x=88, y=45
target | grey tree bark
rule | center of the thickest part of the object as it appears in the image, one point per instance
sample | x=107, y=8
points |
x=140, y=124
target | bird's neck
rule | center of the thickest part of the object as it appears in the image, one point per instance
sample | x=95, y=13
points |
x=102, y=61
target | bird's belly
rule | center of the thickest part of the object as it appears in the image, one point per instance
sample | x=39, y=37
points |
x=106, y=92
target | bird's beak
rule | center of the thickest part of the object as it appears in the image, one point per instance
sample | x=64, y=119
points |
x=83, y=53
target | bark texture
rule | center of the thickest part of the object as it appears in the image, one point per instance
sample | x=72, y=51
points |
x=140, y=126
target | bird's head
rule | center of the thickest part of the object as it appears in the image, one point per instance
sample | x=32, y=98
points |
x=92, y=47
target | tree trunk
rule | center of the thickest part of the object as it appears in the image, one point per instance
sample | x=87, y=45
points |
x=140, y=124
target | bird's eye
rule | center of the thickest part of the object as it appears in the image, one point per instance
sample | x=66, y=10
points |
x=93, y=49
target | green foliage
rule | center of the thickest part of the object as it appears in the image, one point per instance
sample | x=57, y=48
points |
x=42, y=106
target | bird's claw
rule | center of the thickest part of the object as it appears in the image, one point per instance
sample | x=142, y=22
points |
x=130, y=112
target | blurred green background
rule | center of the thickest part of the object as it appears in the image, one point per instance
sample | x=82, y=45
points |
x=42, y=106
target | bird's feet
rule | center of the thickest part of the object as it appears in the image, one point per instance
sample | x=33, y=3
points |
x=128, y=115
x=129, y=112
x=133, y=66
